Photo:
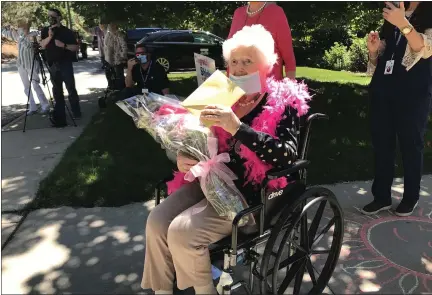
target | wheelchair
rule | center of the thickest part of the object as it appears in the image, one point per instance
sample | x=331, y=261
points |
x=282, y=225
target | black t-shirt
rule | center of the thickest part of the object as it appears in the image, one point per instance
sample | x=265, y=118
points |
x=54, y=53
x=154, y=78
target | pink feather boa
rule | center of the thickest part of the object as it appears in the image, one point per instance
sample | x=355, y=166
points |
x=280, y=95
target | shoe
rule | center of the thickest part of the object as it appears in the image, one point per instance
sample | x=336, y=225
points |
x=45, y=110
x=30, y=112
x=374, y=208
x=405, y=208
x=56, y=124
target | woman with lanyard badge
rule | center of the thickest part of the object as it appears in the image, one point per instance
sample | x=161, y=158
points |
x=400, y=90
x=273, y=18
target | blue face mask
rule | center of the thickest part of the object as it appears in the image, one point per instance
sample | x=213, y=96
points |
x=142, y=58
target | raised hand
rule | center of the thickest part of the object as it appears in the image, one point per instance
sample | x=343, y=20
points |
x=373, y=42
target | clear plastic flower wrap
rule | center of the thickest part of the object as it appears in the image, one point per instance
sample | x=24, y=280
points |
x=181, y=132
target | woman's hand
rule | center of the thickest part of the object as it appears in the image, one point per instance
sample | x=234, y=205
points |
x=395, y=15
x=184, y=164
x=373, y=42
x=222, y=117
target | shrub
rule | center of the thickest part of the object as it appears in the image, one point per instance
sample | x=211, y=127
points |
x=337, y=57
x=358, y=55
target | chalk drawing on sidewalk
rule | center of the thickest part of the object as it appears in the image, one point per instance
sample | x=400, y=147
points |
x=387, y=253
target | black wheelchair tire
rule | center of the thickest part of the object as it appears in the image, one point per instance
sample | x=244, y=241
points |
x=288, y=222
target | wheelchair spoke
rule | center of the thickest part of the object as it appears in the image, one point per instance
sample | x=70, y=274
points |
x=290, y=276
x=290, y=260
x=311, y=271
x=315, y=222
x=318, y=252
x=304, y=232
x=297, y=246
x=324, y=231
x=299, y=278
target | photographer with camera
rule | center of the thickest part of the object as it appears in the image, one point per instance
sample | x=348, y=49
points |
x=27, y=48
x=144, y=74
x=60, y=46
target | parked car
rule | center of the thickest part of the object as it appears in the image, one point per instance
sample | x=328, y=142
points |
x=134, y=35
x=82, y=47
x=174, y=49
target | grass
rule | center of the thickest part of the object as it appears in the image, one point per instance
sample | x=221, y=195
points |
x=113, y=163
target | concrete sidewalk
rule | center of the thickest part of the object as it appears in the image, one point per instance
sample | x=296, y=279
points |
x=101, y=250
x=28, y=157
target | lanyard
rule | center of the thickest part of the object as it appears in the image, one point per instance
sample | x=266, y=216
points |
x=148, y=73
x=398, y=33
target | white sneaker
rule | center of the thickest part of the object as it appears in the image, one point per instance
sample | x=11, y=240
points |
x=45, y=109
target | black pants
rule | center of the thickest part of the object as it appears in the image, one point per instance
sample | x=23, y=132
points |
x=63, y=72
x=401, y=117
x=118, y=83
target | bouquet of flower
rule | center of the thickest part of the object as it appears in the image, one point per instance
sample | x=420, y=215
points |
x=179, y=131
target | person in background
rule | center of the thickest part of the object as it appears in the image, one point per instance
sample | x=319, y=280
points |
x=26, y=54
x=100, y=33
x=60, y=47
x=144, y=73
x=115, y=52
x=273, y=18
x=401, y=92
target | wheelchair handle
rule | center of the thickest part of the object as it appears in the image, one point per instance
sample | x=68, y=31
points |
x=308, y=126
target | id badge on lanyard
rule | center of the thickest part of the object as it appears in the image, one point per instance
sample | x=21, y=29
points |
x=388, y=70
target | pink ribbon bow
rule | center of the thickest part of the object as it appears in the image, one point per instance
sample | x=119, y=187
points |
x=215, y=164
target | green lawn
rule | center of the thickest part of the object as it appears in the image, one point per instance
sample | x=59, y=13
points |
x=113, y=163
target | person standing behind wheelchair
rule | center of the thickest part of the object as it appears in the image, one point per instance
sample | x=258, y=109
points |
x=260, y=132
x=60, y=47
x=115, y=51
x=26, y=54
x=400, y=91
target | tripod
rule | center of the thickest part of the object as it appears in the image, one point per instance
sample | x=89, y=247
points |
x=38, y=58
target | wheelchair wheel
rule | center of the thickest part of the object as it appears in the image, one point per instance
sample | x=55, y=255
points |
x=297, y=259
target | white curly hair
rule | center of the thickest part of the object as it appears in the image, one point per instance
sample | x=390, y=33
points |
x=252, y=36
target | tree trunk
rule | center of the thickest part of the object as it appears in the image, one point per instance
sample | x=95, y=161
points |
x=69, y=15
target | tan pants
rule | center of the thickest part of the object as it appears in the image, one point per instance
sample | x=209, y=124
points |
x=178, y=234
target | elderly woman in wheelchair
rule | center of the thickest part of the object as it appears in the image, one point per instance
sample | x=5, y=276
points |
x=261, y=134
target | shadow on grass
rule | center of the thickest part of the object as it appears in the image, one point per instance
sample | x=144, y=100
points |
x=113, y=163
x=341, y=148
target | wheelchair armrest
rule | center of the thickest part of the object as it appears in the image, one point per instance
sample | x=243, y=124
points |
x=158, y=187
x=297, y=166
x=236, y=220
